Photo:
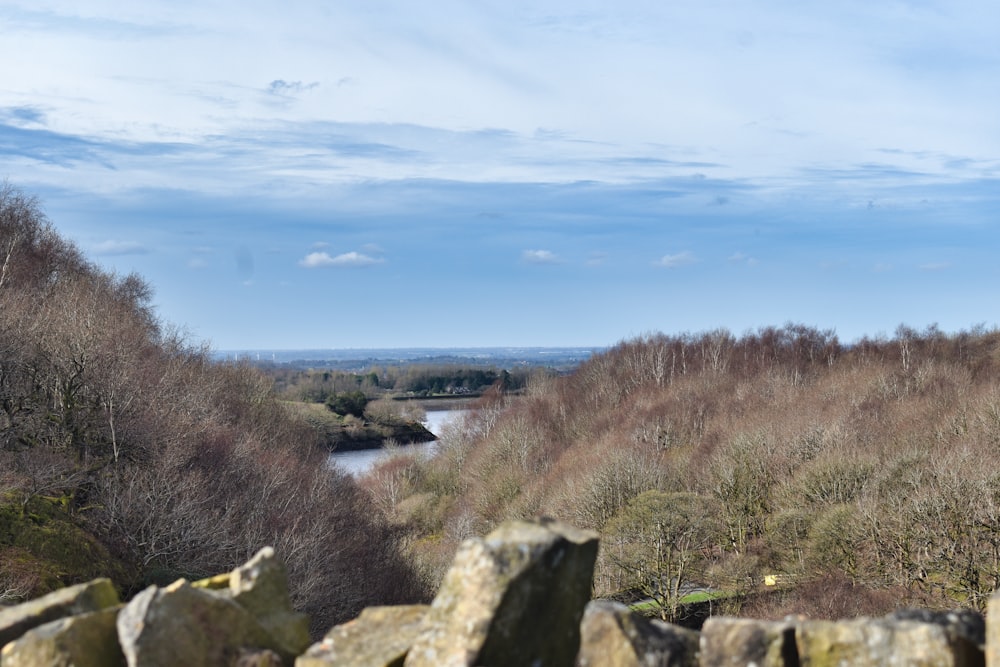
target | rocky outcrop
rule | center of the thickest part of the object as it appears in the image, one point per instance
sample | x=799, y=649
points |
x=380, y=637
x=214, y=627
x=86, y=640
x=519, y=596
x=740, y=641
x=79, y=599
x=513, y=597
x=219, y=623
x=244, y=617
x=614, y=636
x=870, y=642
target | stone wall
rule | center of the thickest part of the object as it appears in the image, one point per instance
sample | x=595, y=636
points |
x=519, y=596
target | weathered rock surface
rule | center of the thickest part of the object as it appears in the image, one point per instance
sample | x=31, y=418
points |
x=611, y=635
x=379, y=637
x=745, y=642
x=868, y=642
x=80, y=599
x=86, y=640
x=261, y=587
x=961, y=625
x=519, y=596
x=183, y=625
x=515, y=597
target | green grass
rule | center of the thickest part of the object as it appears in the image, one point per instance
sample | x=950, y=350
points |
x=651, y=607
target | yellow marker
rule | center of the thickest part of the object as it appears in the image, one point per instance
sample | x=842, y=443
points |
x=770, y=579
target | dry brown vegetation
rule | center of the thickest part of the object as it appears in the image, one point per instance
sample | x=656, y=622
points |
x=180, y=466
x=869, y=469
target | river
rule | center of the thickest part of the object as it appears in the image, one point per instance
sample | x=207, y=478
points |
x=359, y=462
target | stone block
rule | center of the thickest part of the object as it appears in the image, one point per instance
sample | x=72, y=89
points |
x=611, y=635
x=515, y=597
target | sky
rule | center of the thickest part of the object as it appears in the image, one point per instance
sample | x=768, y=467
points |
x=380, y=173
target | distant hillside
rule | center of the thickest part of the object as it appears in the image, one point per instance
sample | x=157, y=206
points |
x=127, y=450
x=842, y=479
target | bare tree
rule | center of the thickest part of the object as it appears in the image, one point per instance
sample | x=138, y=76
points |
x=662, y=542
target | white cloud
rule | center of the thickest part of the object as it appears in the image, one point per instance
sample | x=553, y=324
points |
x=315, y=260
x=676, y=261
x=116, y=247
x=876, y=59
x=539, y=257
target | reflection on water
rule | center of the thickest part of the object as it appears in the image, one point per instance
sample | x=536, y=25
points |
x=358, y=463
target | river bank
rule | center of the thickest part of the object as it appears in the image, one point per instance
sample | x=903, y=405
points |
x=358, y=462
x=348, y=433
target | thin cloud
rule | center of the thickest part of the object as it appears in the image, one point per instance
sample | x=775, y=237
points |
x=935, y=266
x=743, y=258
x=539, y=257
x=316, y=260
x=116, y=247
x=282, y=87
x=22, y=115
x=676, y=261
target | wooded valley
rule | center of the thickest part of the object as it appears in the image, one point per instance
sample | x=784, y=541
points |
x=778, y=471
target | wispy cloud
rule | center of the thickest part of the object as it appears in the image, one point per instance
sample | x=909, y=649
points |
x=316, y=260
x=676, y=261
x=116, y=247
x=935, y=266
x=743, y=258
x=26, y=114
x=285, y=88
x=539, y=257
x=61, y=149
x=421, y=118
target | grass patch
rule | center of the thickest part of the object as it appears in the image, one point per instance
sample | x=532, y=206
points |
x=650, y=607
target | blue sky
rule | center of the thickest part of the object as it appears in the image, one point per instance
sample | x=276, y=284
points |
x=441, y=174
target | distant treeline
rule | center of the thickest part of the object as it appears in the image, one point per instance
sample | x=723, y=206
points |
x=411, y=380
x=554, y=358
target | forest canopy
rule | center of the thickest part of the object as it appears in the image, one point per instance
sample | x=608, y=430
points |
x=854, y=478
